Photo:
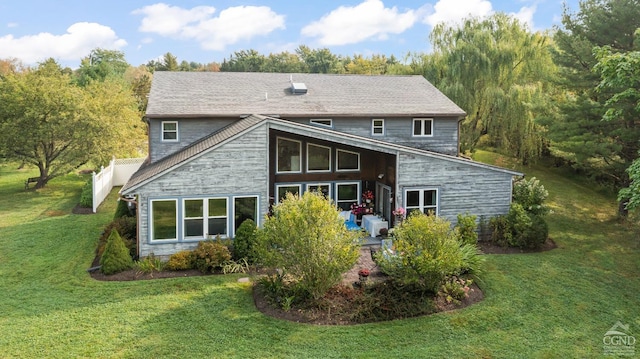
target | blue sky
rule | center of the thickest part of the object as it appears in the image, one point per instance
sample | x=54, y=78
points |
x=207, y=31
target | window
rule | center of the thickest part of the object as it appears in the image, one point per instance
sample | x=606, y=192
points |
x=347, y=194
x=348, y=161
x=193, y=218
x=377, y=127
x=423, y=200
x=170, y=131
x=318, y=158
x=324, y=188
x=282, y=190
x=164, y=220
x=244, y=208
x=217, y=217
x=214, y=210
x=289, y=159
x=324, y=122
x=422, y=127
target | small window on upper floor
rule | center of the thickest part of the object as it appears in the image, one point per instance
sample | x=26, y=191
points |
x=422, y=127
x=324, y=122
x=169, y=131
x=377, y=127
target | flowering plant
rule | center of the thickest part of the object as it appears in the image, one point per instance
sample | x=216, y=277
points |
x=399, y=211
x=367, y=195
x=364, y=272
x=358, y=208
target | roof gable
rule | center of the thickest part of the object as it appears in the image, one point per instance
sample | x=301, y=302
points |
x=210, y=94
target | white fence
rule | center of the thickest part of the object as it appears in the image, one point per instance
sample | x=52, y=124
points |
x=116, y=174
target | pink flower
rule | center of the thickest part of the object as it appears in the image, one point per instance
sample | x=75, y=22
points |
x=399, y=211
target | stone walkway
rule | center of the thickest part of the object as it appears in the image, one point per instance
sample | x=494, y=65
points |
x=365, y=261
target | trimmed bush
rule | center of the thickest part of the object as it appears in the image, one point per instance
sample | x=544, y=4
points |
x=427, y=250
x=86, y=197
x=244, y=240
x=530, y=194
x=519, y=228
x=182, y=260
x=467, y=228
x=127, y=228
x=306, y=238
x=122, y=210
x=210, y=255
x=116, y=256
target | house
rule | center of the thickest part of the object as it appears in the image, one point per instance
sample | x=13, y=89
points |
x=224, y=147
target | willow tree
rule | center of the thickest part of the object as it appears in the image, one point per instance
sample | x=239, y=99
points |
x=50, y=122
x=499, y=72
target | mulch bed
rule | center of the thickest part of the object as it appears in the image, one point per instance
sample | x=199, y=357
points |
x=78, y=209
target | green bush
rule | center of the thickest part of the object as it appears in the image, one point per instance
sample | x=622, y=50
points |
x=116, y=256
x=244, y=240
x=127, y=228
x=307, y=239
x=467, y=228
x=426, y=251
x=210, y=255
x=530, y=194
x=86, y=197
x=150, y=264
x=182, y=260
x=519, y=228
x=122, y=210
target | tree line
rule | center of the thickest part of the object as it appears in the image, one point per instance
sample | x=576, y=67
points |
x=569, y=94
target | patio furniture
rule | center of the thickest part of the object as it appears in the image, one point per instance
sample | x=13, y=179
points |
x=373, y=224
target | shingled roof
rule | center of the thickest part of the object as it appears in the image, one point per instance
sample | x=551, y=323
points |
x=211, y=94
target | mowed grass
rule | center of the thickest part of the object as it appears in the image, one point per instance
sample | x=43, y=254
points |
x=556, y=304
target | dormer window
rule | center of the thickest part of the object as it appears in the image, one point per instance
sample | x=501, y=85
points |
x=169, y=131
x=422, y=127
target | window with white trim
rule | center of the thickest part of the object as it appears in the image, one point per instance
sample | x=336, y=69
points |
x=347, y=160
x=169, y=131
x=423, y=200
x=324, y=122
x=244, y=208
x=347, y=194
x=377, y=127
x=318, y=158
x=193, y=218
x=283, y=189
x=324, y=188
x=422, y=127
x=164, y=219
x=289, y=158
x=217, y=217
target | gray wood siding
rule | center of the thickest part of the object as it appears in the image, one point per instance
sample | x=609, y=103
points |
x=236, y=168
x=461, y=188
x=399, y=130
x=189, y=131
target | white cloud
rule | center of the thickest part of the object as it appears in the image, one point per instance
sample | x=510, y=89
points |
x=525, y=15
x=367, y=20
x=454, y=11
x=12, y=24
x=213, y=33
x=80, y=39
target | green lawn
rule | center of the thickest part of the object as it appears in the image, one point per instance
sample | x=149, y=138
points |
x=556, y=304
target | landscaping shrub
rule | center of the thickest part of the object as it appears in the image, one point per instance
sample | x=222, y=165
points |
x=150, y=264
x=122, y=210
x=455, y=289
x=86, y=196
x=244, y=240
x=426, y=251
x=116, y=256
x=467, y=228
x=126, y=227
x=182, y=260
x=519, y=228
x=307, y=239
x=210, y=255
x=530, y=194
